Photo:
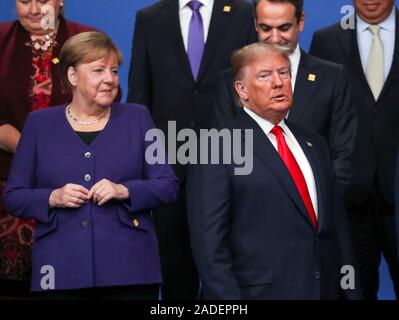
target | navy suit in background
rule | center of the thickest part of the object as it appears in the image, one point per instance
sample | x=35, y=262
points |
x=160, y=77
x=370, y=198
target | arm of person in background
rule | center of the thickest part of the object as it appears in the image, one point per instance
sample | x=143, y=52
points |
x=140, y=84
x=9, y=137
x=209, y=209
x=226, y=105
x=21, y=197
x=342, y=129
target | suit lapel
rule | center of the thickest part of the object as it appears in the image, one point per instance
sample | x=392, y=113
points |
x=269, y=156
x=311, y=154
x=217, y=27
x=394, y=71
x=171, y=26
x=305, y=88
x=349, y=46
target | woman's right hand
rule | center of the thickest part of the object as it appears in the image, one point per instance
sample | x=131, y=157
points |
x=69, y=196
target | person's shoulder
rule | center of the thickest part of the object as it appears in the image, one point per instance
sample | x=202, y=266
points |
x=46, y=116
x=329, y=31
x=243, y=6
x=130, y=109
x=316, y=62
x=6, y=28
x=152, y=9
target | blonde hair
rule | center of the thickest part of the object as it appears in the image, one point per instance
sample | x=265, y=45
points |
x=85, y=47
x=243, y=57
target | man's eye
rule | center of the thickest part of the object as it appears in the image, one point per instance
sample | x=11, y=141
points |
x=284, y=73
x=264, y=77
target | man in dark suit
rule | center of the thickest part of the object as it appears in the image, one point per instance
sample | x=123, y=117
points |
x=179, y=47
x=370, y=51
x=321, y=89
x=279, y=232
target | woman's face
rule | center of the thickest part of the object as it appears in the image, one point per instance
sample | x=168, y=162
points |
x=95, y=83
x=38, y=16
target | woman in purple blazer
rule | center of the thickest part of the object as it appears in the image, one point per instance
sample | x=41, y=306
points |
x=80, y=172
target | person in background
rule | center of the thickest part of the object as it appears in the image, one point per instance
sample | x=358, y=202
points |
x=174, y=72
x=81, y=174
x=29, y=57
x=370, y=52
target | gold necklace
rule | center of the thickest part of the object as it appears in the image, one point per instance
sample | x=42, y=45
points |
x=85, y=122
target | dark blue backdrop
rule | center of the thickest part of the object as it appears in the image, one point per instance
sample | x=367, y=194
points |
x=116, y=18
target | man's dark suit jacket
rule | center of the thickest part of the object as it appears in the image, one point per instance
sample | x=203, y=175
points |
x=251, y=235
x=377, y=135
x=160, y=75
x=323, y=105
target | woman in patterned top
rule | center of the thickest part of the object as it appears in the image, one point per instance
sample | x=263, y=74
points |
x=29, y=51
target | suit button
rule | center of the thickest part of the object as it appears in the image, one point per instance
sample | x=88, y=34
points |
x=85, y=224
x=316, y=275
x=87, y=155
x=87, y=177
x=195, y=92
x=192, y=124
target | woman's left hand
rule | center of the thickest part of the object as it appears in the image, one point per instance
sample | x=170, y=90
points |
x=105, y=190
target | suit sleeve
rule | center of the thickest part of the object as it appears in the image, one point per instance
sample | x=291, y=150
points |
x=342, y=132
x=226, y=105
x=342, y=231
x=159, y=185
x=208, y=203
x=140, y=83
x=22, y=197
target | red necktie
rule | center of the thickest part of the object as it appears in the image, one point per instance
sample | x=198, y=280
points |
x=295, y=172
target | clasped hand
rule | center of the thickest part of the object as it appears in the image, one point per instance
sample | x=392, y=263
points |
x=74, y=195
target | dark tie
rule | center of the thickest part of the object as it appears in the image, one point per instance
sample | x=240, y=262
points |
x=195, y=43
x=295, y=172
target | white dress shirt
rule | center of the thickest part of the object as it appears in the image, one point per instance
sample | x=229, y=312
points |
x=295, y=57
x=387, y=35
x=295, y=148
x=185, y=14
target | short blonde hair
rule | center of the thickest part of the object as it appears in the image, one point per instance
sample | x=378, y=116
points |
x=243, y=57
x=85, y=47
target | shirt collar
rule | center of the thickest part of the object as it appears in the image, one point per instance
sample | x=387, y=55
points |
x=183, y=3
x=266, y=125
x=295, y=57
x=388, y=24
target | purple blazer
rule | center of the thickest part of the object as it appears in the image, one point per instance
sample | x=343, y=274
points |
x=90, y=246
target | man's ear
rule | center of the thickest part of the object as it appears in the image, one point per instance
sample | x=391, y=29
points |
x=72, y=76
x=241, y=90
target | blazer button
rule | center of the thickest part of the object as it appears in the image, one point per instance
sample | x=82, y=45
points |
x=85, y=224
x=316, y=275
x=196, y=91
x=87, y=177
x=87, y=155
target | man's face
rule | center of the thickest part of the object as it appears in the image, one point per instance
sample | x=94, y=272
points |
x=276, y=23
x=266, y=87
x=373, y=11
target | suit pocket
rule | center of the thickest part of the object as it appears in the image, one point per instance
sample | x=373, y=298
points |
x=254, y=277
x=43, y=229
x=140, y=221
